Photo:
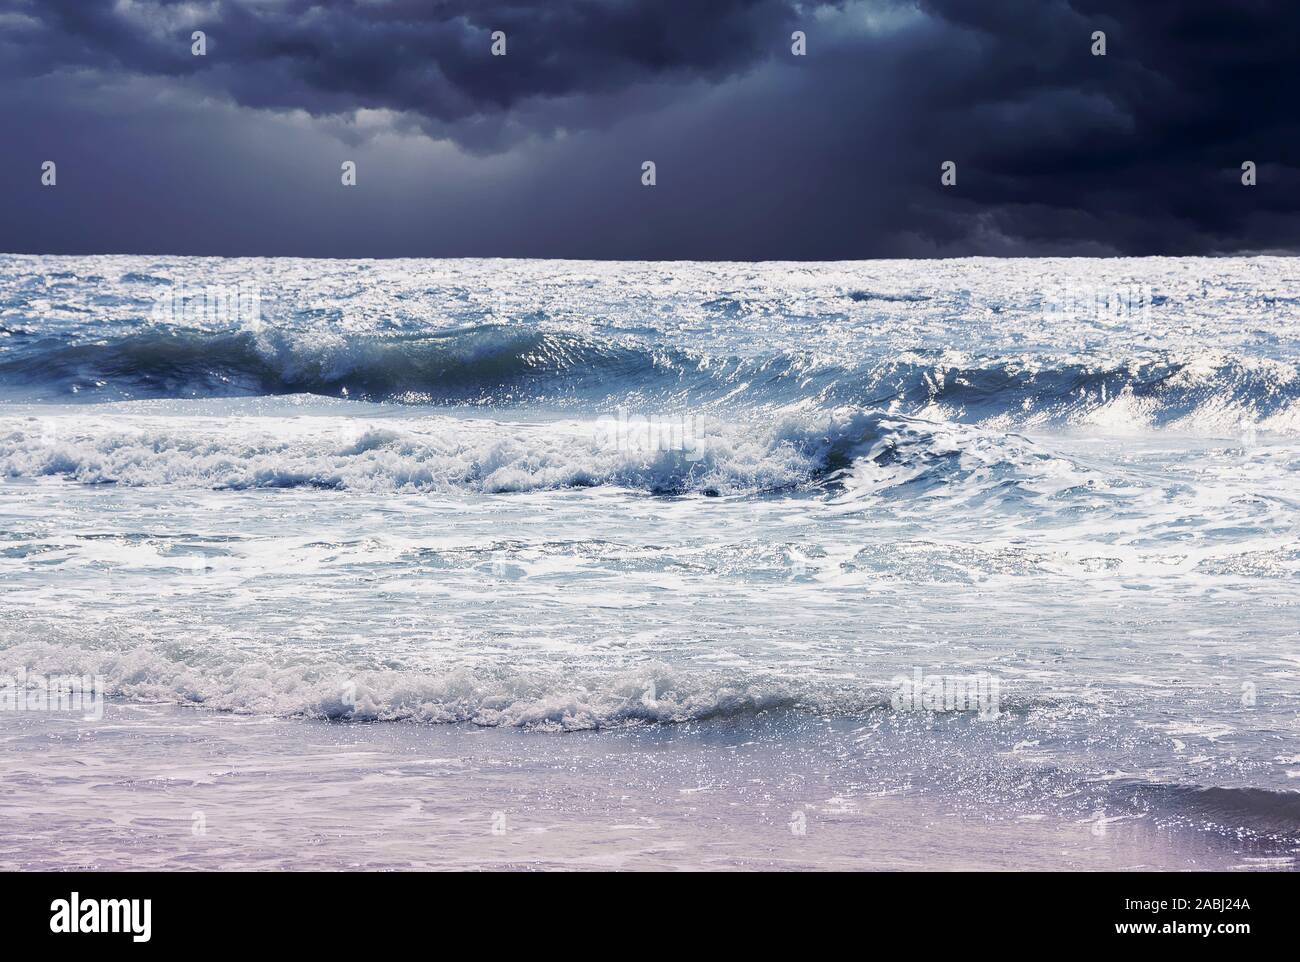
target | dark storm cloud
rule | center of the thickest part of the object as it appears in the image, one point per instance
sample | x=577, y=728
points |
x=760, y=154
x=1140, y=149
x=425, y=57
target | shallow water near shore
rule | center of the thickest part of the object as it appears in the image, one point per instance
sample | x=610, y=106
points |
x=154, y=787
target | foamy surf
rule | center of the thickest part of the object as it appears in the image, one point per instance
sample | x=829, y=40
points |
x=664, y=453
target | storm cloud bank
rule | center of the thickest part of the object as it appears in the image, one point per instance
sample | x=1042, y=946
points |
x=759, y=152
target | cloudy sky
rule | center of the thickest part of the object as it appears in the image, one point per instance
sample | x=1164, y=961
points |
x=759, y=153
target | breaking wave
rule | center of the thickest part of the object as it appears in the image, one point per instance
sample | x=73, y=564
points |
x=430, y=454
x=502, y=366
x=493, y=697
x=858, y=451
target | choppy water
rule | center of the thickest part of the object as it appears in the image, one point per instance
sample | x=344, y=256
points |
x=592, y=495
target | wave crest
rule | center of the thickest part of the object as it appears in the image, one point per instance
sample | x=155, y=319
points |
x=505, y=365
x=429, y=454
x=539, y=700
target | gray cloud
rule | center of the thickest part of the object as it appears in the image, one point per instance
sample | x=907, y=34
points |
x=760, y=154
x=429, y=59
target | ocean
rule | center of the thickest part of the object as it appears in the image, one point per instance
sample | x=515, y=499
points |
x=997, y=543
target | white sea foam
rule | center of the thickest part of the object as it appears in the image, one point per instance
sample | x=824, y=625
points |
x=432, y=453
x=554, y=701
